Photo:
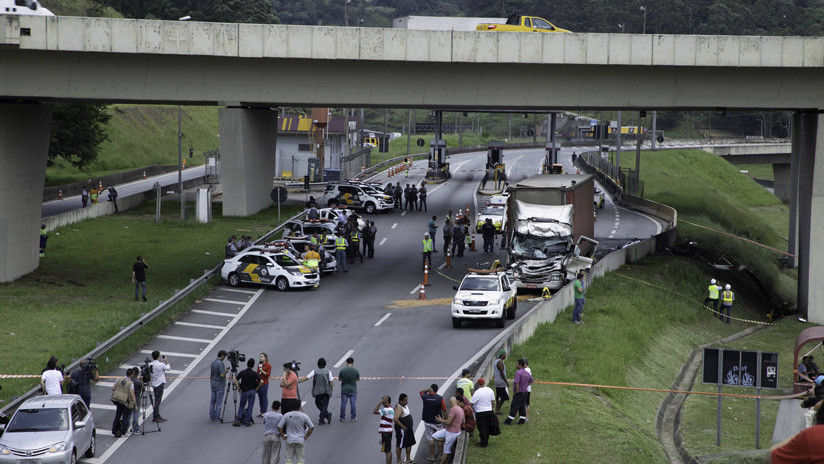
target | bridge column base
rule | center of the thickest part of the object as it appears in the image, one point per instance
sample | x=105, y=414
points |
x=248, y=139
x=809, y=151
x=782, y=187
x=25, y=132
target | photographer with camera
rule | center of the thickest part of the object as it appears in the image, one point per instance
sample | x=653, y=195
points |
x=80, y=380
x=217, y=381
x=247, y=381
x=158, y=370
x=321, y=389
x=289, y=396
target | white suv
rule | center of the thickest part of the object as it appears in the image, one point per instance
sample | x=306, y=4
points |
x=357, y=197
x=484, y=295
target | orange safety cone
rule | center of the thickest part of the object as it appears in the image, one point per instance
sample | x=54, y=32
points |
x=100, y=186
x=60, y=194
x=184, y=163
x=472, y=245
x=448, y=258
x=426, y=273
x=144, y=175
x=422, y=295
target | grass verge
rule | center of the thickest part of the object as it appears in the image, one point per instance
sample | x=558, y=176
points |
x=82, y=292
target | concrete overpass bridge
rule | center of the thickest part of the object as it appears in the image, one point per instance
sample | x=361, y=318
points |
x=777, y=154
x=249, y=69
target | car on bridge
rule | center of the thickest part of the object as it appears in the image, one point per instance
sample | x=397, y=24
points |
x=49, y=429
x=270, y=266
x=484, y=295
x=518, y=23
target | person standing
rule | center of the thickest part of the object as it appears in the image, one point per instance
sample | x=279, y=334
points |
x=82, y=378
x=579, y=291
x=521, y=381
x=457, y=240
x=488, y=234
x=51, y=380
x=247, y=381
x=447, y=235
x=289, y=395
x=354, y=242
x=44, y=237
x=113, y=197
x=370, y=241
x=311, y=259
x=264, y=370
x=398, y=192
x=483, y=400
x=433, y=229
x=321, y=389
x=158, y=379
x=727, y=297
x=422, y=195
x=529, y=387
x=271, y=435
x=231, y=248
x=93, y=195
x=713, y=296
x=84, y=197
x=340, y=253
x=413, y=197
x=137, y=385
x=465, y=383
x=433, y=408
x=124, y=401
x=295, y=427
x=384, y=409
x=139, y=276
x=404, y=429
x=217, y=382
x=427, y=251
x=448, y=435
x=349, y=378
x=501, y=382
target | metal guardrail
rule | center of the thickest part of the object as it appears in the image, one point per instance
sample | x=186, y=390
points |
x=103, y=347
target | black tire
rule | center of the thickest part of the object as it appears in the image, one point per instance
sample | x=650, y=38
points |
x=370, y=207
x=332, y=203
x=456, y=323
x=501, y=321
x=282, y=284
x=510, y=313
x=74, y=457
x=90, y=452
x=234, y=279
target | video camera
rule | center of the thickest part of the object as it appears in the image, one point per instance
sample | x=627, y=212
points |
x=294, y=365
x=89, y=367
x=235, y=357
x=146, y=371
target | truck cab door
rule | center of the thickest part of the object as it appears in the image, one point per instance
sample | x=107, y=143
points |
x=583, y=256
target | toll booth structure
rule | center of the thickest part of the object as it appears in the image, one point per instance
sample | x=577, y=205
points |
x=494, y=154
x=551, y=163
x=438, y=170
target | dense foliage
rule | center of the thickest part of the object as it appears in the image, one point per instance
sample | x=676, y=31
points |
x=230, y=11
x=78, y=129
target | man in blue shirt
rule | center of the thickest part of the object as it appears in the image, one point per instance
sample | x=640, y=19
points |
x=81, y=380
x=217, y=382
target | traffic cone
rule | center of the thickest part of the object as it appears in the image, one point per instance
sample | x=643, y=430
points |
x=472, y=245
x=100, y=186
x=422, y=295
x=448, y=258
x=426, y=273
x=184, y=163
x=60, y=194
x=144, y=175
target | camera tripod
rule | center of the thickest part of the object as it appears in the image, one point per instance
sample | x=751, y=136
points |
x=230, y=387
x=146, y=398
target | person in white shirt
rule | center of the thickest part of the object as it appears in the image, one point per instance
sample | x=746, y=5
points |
x=483, y=401
x=158, y=369
x=51, y=381
x=528, y=388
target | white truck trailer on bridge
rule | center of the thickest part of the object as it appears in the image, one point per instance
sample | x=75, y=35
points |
x=441, y=23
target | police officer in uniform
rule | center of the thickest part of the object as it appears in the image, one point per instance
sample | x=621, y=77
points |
x=354, y=245
x=340, y=253
x=422, y=196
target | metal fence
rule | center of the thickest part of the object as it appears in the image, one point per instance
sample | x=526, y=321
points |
x=627, y=179
x=356, y=162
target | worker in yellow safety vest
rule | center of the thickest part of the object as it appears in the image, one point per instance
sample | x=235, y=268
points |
x=340, y=253
x=311, y=258
x=428, y=246
x=727, y=297
x=713, y=296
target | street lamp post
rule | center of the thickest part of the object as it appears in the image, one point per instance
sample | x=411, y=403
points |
x=346, y=12
x=644, y=29
x=180, y=151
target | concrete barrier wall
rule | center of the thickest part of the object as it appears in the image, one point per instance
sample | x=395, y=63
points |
x=75, y=188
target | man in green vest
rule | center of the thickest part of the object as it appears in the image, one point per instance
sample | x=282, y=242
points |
x=713, y=296
x=340, y=253
x=428, y=246
x=354, y=245
x=727, y=297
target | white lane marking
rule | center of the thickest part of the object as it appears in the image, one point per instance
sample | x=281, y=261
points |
x=414, y=290
x=403, y=214
x=343, y=359
x=166, y=353
x=170, y=371
x=105, y=384
x=443, y=265
x=218, y=300
x=658, y=227
x=394, y=225
x=204, y=326
x=184, y=339
x=174, y=383
x=110, y=407
x=512, y=165
x=382, y=241
x=453, y=169
x=212, y=313
x=238, y=290
x=385, y=317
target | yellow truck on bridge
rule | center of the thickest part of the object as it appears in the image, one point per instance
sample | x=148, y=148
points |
x=518, y=23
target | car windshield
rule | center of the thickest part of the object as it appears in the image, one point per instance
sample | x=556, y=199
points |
x=481, y=284
x=540, y=247
x=493, y=212
x=309, y=230
x=39, y=420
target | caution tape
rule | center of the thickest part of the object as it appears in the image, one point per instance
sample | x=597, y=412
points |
x=444, y=275
x=739, y=238
x=686, y=297
x=536, y=382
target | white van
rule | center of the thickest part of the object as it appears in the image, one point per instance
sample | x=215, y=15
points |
x=24, y=7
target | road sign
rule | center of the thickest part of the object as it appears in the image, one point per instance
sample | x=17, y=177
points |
x=660, y=139
x=740, y=368
x=420, y=142
x=279, y=194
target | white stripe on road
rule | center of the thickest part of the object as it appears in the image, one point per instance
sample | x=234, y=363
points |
x=658, y=227
x=512, y=165
x=105, y=384
x=394, y=225
x=238, y=290
x=218, y=300
x=415, y=290
x=403, y=214
x=179, y=355
x=119, y=442
x=382, y=241
x=204, y=326
x=385, y=317
x=170, y=371
x=109, y=407
x=185, y=339
x=453, y=169
x=212, y=313
x=443, y=265
x=343, y=359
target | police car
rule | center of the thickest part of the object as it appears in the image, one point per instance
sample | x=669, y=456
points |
x=484, y=295
x=496, y=213
x=331, y=214
x=308, y=227
x=357, y=196
x=268, y=266
x=599, y=198
x=298, y=246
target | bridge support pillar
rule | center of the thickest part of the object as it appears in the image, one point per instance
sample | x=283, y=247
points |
x=808, y=213
x=25, y=132
x=783, y=181
x=248, y=139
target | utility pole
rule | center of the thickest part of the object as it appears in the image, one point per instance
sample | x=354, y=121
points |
x=460, y=133
x=534, y=128
x=409, y=132
x=180, y=163
x=640, y=138
x=618, y=141
x=508, y=127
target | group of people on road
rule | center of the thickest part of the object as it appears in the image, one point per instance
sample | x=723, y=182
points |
x=351, y=238
x=235, y=245
x=410, y=198
x=91, y=196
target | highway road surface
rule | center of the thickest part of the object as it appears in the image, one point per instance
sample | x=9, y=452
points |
x=371, y=313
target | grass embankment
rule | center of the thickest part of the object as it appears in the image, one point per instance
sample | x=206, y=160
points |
x=143, y=136
x=82, y=292
x=637, y=335
x=757, y=171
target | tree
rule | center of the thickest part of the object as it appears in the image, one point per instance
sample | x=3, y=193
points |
x=78, y=129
